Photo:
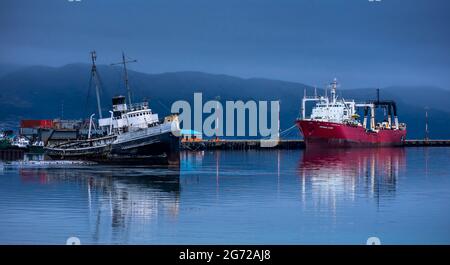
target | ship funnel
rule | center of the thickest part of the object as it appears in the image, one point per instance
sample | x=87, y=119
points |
x=119, y=103
x=366, y=111
x=394, y=106
x=390, y=116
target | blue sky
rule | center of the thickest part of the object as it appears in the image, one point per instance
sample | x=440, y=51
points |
x=362, y=43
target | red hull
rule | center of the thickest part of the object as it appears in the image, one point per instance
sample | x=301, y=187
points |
x=342, y=135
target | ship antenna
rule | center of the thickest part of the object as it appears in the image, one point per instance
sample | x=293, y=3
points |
x=94, y=75
x=378, y=95
x=62, y=109
x=426, y=124
x=127, y=85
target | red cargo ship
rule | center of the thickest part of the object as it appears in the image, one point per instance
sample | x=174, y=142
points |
x=335, y=122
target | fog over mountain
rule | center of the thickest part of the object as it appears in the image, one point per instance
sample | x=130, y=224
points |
x=398, y=46
x=364, y=43
x=50, y=92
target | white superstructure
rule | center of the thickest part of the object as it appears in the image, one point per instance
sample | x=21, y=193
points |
x=331, y=109
x=129, y=118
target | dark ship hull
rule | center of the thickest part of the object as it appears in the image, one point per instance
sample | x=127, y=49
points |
x=157, y=150
x=152, y=150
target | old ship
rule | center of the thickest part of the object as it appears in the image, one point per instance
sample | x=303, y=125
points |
x=334, y=122
x=134, y=134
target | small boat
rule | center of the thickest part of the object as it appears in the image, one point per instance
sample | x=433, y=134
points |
x=21, y=142
x=44, y=164
x=36, y=148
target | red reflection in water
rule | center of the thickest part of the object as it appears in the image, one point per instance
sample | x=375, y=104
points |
x=339, y=159
x=328, y=172
x=32, y=175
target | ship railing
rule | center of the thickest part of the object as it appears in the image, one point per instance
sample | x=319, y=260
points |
x=90, y=142
x=141, y=132
x=311, y=97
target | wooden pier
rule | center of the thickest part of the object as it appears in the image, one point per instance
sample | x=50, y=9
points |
x=241, y=144
x=426, y=143
x=233, y=144
x=282, y=144
x=11, y=154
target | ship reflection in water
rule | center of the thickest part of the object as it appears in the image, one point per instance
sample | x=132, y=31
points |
x=343, y=173
x=219, y=197
x=116, y=202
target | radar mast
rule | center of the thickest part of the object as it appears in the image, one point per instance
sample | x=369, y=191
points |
x=127, y=85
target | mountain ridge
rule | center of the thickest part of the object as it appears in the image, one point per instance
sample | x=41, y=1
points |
x=42, y=91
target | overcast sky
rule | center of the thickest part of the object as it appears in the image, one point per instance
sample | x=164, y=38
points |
x=362, y=43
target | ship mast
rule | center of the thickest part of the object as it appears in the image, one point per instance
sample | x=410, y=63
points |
x=333, y=90
x=127, y=85
x=94, y=75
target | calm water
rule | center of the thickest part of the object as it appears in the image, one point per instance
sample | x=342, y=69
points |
x=262, y=197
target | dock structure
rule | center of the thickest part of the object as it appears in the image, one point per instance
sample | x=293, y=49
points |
x=11, y=154
x=426, y=142
x=252, y=144
x=234, y=144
